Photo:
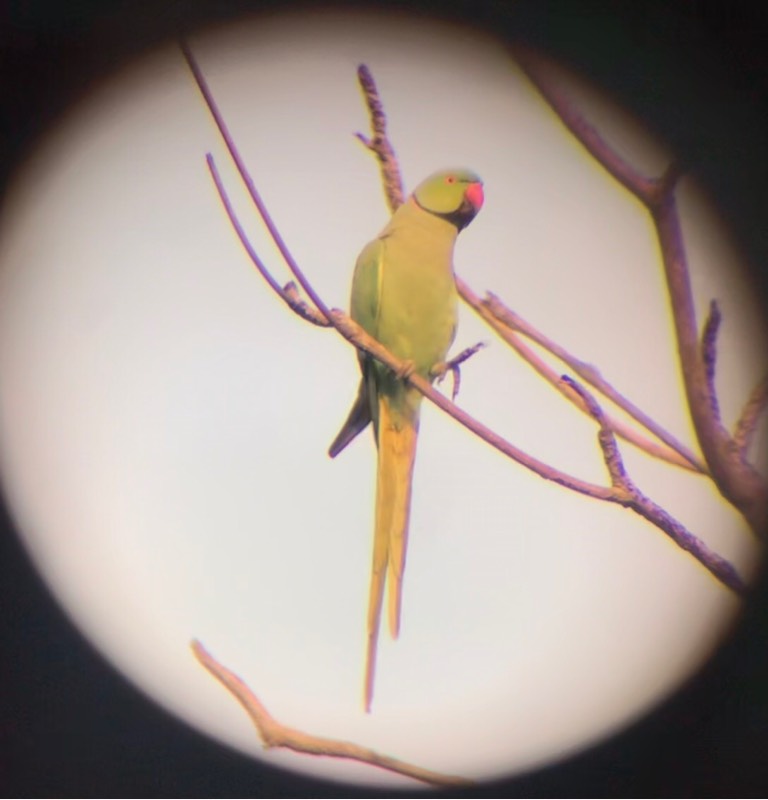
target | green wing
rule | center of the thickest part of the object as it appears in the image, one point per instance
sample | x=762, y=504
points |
x=365, y=309
x=365, y=306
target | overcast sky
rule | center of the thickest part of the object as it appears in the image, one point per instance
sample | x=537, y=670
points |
x=164, y=419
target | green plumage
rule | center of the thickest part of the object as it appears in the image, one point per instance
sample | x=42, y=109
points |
x=404, y=296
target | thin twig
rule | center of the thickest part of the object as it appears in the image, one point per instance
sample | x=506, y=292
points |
x=379, y=144
x=288, y=293
x=275, y=734
x=611, y=455
x=515, y=341
x=633, y=498
x=746, y=425
x=248, y=180
x=592, y=376
x=709, y=354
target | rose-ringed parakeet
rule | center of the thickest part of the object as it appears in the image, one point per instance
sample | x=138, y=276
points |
x=404, y=296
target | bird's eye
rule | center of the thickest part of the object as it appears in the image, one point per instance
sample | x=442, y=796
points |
x=450, y=179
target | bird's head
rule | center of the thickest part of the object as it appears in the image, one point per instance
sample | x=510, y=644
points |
x=453, y=194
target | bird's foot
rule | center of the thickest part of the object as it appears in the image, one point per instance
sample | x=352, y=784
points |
x=406, y=370
x=442, y=368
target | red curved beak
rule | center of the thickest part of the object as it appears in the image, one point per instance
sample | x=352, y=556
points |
x=474, y=194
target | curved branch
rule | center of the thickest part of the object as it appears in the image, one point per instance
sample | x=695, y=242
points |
x=275, y=734
x=641, y=504
x=248, y=180
x=289, y=293
x=506, y=323
x=353, y=333
x=641, y=186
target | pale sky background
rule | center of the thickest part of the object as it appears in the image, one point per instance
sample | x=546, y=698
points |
x=164, y=419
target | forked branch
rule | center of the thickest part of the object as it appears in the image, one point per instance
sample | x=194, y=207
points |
x=275, y=734
x=737, y=480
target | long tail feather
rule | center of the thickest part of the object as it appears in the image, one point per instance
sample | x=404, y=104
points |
x=396, y=453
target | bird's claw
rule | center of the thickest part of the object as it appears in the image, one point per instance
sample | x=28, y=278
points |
x=406, y=370
x=442, y=368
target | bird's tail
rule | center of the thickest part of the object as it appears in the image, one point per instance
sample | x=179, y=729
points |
x=397, y=434
x=357, y=420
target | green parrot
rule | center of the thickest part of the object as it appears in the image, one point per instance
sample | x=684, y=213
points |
x=404, y=296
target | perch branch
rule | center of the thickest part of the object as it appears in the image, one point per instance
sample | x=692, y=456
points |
x=275, y=734
x=737, y=480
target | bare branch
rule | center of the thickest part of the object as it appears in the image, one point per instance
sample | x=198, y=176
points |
x=619, y=427
x=379, y=144
x=709, y=353
x=633, y=498
x=747, y=423
x=289, y=293
x=639, y=185
x=720, y=567
x=248, y=181
x=592, y=376
x=611, y=454
x=275, y=734
x=738, y=481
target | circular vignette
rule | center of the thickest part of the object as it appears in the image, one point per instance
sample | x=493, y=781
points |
x=701, y=167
